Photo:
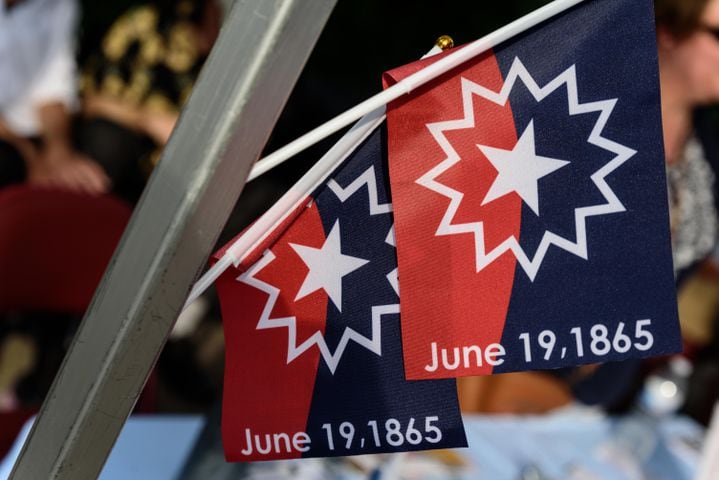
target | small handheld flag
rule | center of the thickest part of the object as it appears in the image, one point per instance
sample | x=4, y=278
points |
x=530, y=201
x=314, y=361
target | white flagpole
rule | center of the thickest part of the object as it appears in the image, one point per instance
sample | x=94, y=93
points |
x=411, y=83
x=371, y=114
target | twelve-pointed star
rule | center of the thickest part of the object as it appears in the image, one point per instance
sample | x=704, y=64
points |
x=519, y=169
x=327, y=265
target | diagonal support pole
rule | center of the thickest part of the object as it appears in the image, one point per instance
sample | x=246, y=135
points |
x=246, y=81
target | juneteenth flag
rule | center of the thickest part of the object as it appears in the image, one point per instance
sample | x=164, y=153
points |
x=314, y=362
x=530, y=201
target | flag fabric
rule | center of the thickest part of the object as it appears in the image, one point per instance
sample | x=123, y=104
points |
x=314, y=362
x=530, y=201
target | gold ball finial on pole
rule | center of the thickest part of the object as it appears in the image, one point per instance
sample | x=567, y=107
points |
x=445, y=42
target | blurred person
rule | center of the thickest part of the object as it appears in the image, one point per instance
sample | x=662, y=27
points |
x=139, y=79
x=688, y=40
x=38, y=97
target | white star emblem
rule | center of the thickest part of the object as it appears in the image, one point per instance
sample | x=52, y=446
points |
x=519, y=169
x=327, y=266
x=373, y=342
x=505, y=183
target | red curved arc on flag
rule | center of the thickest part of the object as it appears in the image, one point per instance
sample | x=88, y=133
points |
x=443, y=298
x=291, y=387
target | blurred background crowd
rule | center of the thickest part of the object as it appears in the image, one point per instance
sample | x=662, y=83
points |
x=90, y=93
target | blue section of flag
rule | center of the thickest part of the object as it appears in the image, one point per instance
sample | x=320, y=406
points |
x=368, y=391
x=363, y=236
x=627, y=277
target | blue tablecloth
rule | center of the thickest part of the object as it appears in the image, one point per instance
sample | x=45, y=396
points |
x=561, y=446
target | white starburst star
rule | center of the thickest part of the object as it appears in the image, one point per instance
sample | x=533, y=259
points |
x=373, y=343
x=519, y=169
x=529, y=263
x=327, y=266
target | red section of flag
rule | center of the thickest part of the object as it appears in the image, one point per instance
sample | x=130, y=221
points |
x=447, y=306
x=252, y=352
x=252, y=256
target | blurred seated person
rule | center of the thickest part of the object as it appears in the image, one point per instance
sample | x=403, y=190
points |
x=688, y=41
x=133, y=90
x=688, y=38
x=38, y=95
x=145, y=68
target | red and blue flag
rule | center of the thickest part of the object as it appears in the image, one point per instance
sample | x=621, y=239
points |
x=314, y=363
x=530, y=201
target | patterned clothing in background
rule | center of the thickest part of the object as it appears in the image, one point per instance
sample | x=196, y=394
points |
x=692, y=207
x=150, y=57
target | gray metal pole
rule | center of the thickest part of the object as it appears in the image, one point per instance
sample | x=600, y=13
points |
x=238, y=97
